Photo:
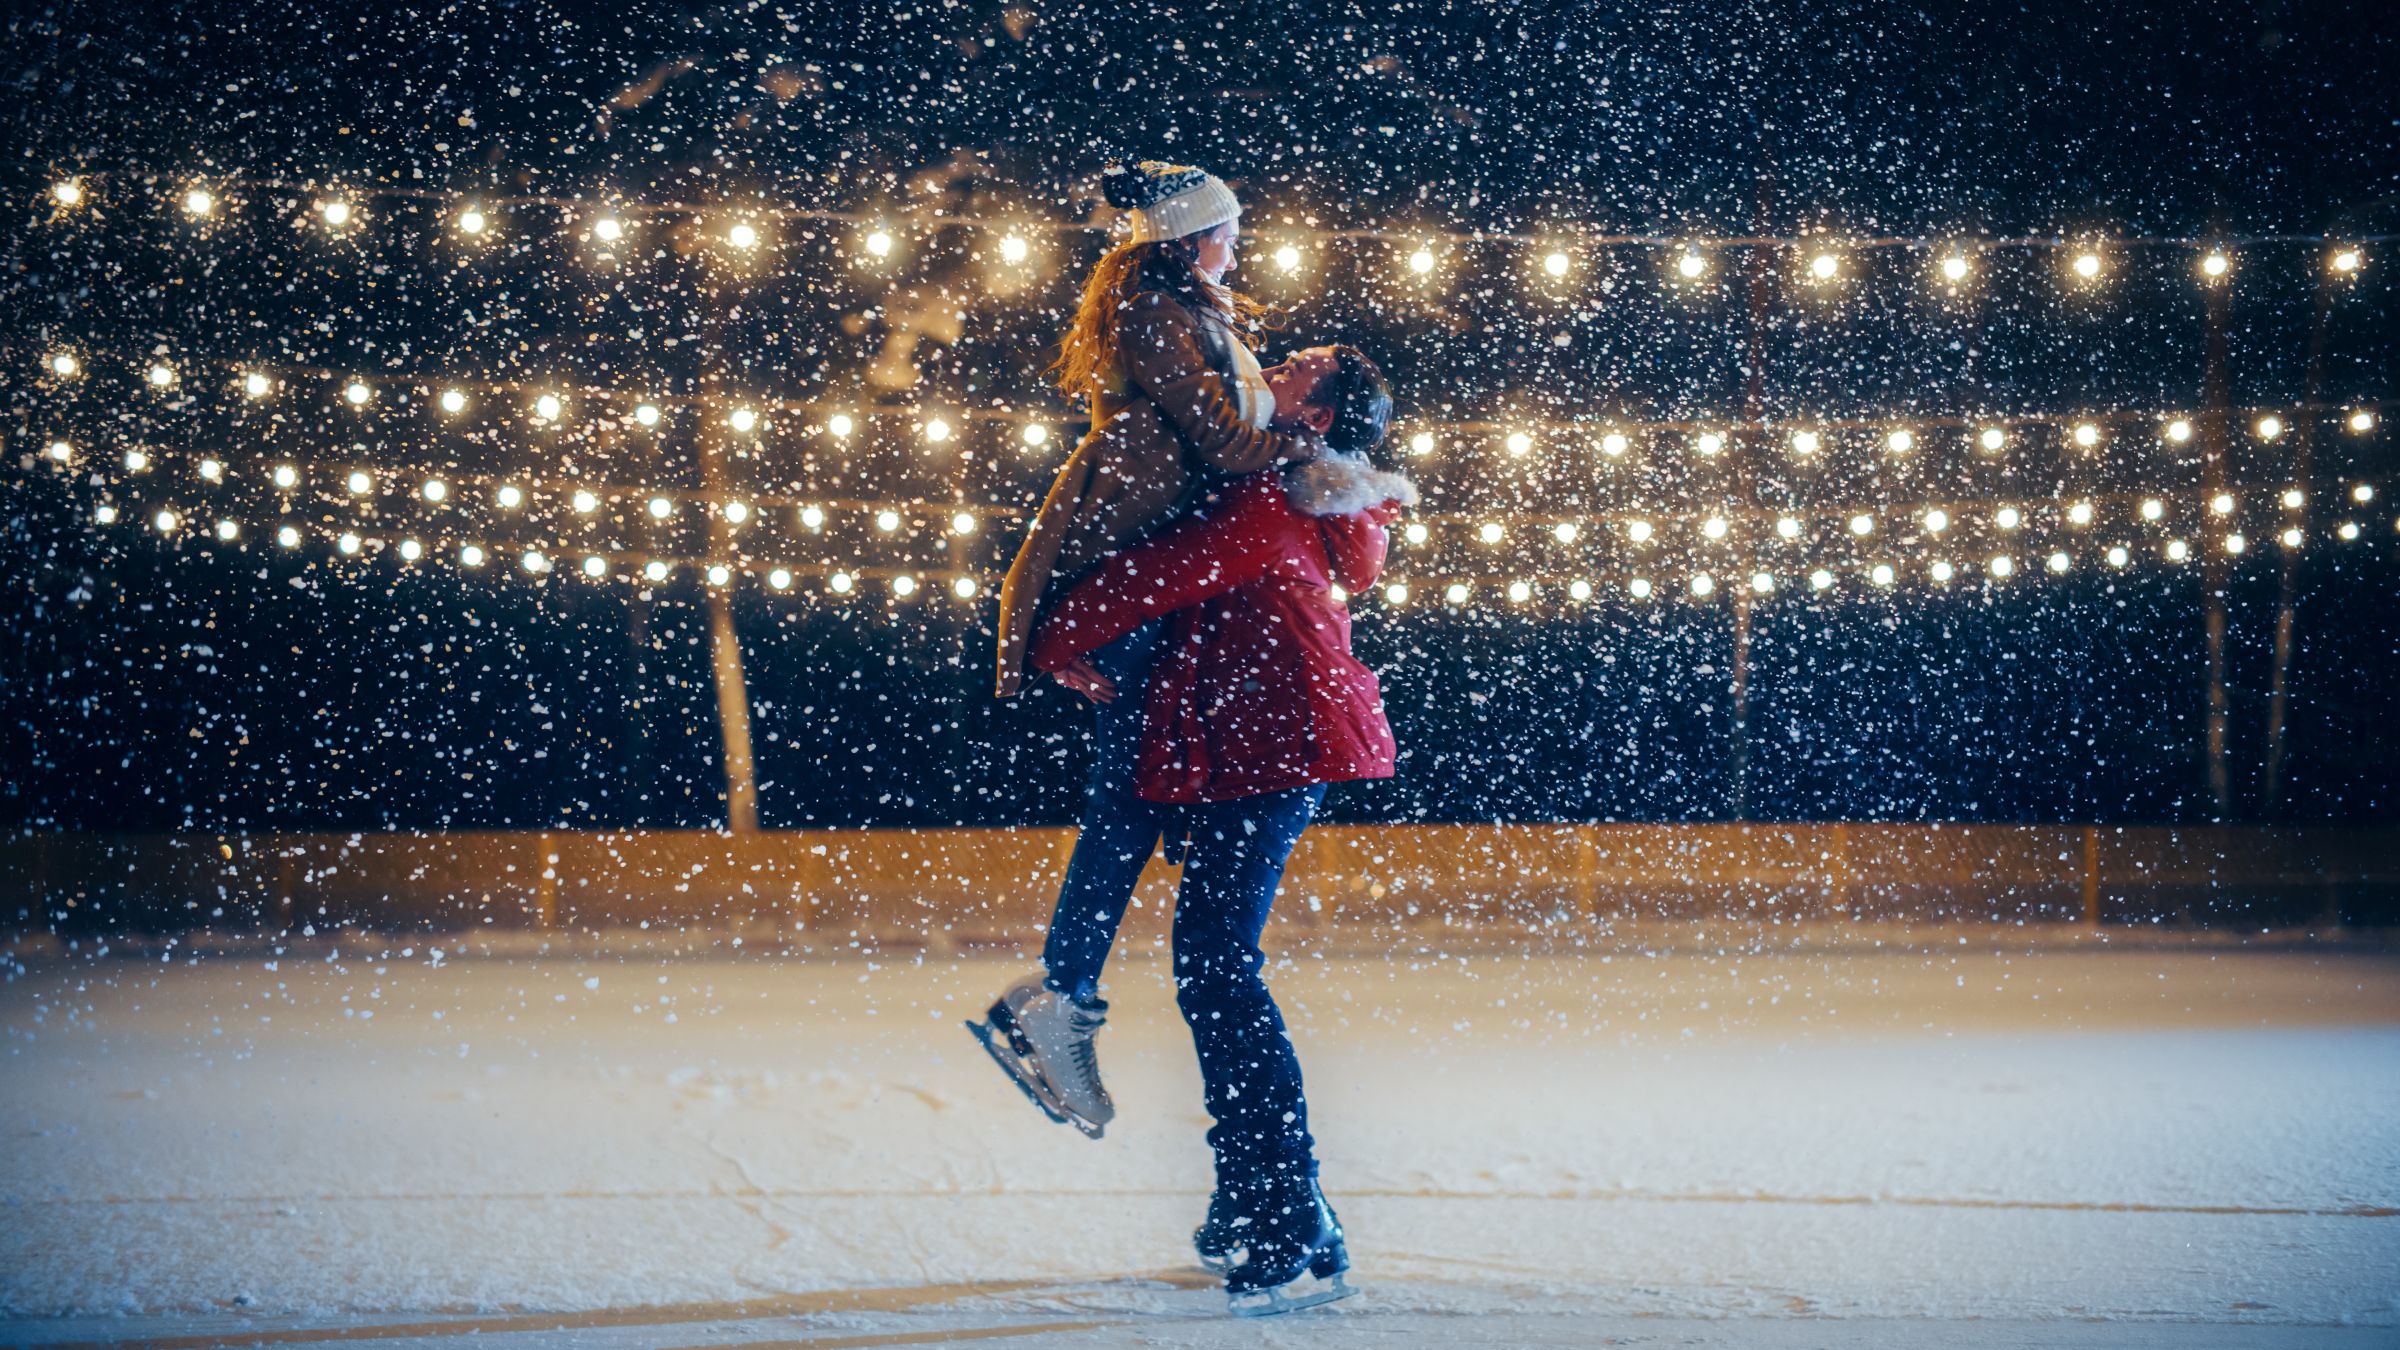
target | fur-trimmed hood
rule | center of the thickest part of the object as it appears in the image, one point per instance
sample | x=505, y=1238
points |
x=1335, y=484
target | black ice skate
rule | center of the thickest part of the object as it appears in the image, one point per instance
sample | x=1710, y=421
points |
x=1297, y=1235
x=1043, y=1041
x=1220, y=1235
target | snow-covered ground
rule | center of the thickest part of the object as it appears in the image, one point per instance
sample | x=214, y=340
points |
x=2055, y=1147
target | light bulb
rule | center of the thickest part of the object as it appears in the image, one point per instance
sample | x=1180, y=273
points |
x=2362, y=420
x=453, y=401
x=212, y=470
x=68, y=192
x=1579, y=589
x=1901, y=441
x=2118, y=556
x=1709, y=443
x=2008, y=518
x=2294, y=499
x=1489, y=532
x=963, y=588
x=1519, y=443
x=471, y=556
x=719, y=574
x=535, y=562
x=1936, y=521
x=2221, y=504
x=2058, y=562
x=510, y=497
x=161, y=374
x=1519, y=592
x=2291, y=537
x=548, y=407
x=1954, y=268
x=2087, y=265
x=586, y=502
x=2235, y=543
x=470, y=221
x=2269, y=427
x=256, y=385
x=1862, y=524
x=812, y=517
x=2215, y=264
x=2153, y=508
x=879, y=243
x=136, y=461
x=360, y=482
x=230, y=530
x=2003, y=565
x=937, y=430
x=1416, y=532
x=962, y=523
x=2348, y=529
x=736, y=512
x=743, y=420
x=1421, y=443
x=1940, y=571
x=1614, y=443
x=2079, y=514
x=1806, y=442
x=780, y=578
x=1823, y=266
x=1456, y=593
x=595, y=566
x=1882, y=574
x=1288, y=258
x=1639, y=586
x=64, y=364
x=1420, y=262
x=1993, y=438
x=646, y=414
x=434, y=490
x=607, y=229
x=348, y=543
x=1703, y=583
x=2177, y=550
x=1691, y=265
x=286, y=475
x=1396, y=593
x=904, y=585
x=1714, y=527
x=1761, y=583
x=2087, y=434
x=839, y=583
x=198, y=202
x=2179, y=431
x=1555, y=264
x=411, y=550
x=661, y=508
x=2346, y=260
x=1639, y=531
x=288, y=537
x=1787, y=527
x=60, y=451
x=1013, y=249
x=1820, y=580
x=1566, y=531
x=742, y=235
x=336, y=213
x=655, y=570
x=2363, y=493
x=1036, y=433
x=887, y=521
x=357, y=392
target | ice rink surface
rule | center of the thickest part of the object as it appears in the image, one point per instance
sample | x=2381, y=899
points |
x=1949, y=1143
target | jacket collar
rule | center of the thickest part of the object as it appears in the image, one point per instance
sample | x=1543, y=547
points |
x=1335, y=484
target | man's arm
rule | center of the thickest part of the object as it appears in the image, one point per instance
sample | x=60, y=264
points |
x=1195, y=559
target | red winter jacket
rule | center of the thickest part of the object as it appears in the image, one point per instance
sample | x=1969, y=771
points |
x=1255, y=689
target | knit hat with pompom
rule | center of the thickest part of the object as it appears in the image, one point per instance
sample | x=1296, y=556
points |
x=1168, y=201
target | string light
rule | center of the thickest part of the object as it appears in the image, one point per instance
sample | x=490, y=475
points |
x=1288, y=259
x=1489, y=532
x=963, y=523
x=1940, y=571
x=358, y=393
x=1415, y=532
x=608, y=229
x=595, y=566
x=2235, y=543
x=781, y=579
x=165, y=521
x=1806, y=442
x=61, y=451
x=1456, y=593
x=1013, y=250
x=2294, y=499
x=65, y=366
x=904, y=585
x=2059, y=562
x=1862, y=524
x=67, y=192
x=1421, y=261
x=1703, y=584
x=1882, y=574
x=1787, y=527
x=256, y=385
x=736, y=513
x=161, y=375
x=964, y=588
x=286, y=476
x=1936, y=521
x=1824, y=267
x=288, y=536
x=360, y=482
x=2087, y=435
x=1579, y=589
x=1519, y=592
x=1614, y=444
x=1992, y=439
x=2079, y=514
x=2221, y=504
x=719, y=574
x=1519, y=443
x=434, y=490
x=2179, y=430
x=1555, y=264
x=2348, y=530
x=2153, y=508
x=2215, y=265
x=812, y=518
x=1709, y=443
x=585, y=503
x=2008, y=518
x=348, y=544
x=1639, y=531
x=661, y=508
x=743, y=235
x=839, y=424
x=410, y=549
x=656, y=570
x=1396, y=593
x=212, y=470
x=510, y=497
x=840, y=583
x=646, y=414
x=1762, y=583
x=1421, y=443
x=1690, y=266
x=470, y=221
x=201, y=202
x=454, y=401
x=136, y=461
x=2362, y=420
x=742, y=420
x=1714, y=527
x=2003, y=566
x=2363, y=493
x=1954, y=269
x=1566, y=531
x=1036, y=433
x=887, y=521
x=2269, y=427
x=937, y=430
x=336, y=213
x=2118, y=556
x=2347, y=260
x=2291, y=537
x=879, y=243
x=2087, y=265
x=1820, y=580
x=548, y=407
x=471, y=556
x=1900, y=442
x=2177, y=550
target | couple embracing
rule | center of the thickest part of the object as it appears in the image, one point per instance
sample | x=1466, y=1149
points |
x=1180, y=574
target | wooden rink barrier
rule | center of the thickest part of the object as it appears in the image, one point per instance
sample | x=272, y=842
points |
x=966, y=888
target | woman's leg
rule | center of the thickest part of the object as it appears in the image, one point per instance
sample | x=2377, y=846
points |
x=1118, y=832
x=1250, y=1075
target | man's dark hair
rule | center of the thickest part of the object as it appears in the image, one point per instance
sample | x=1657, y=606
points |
x=1361, y=400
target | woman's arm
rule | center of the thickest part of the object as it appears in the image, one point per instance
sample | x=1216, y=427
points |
x=1160, y=346
x=1195, y=559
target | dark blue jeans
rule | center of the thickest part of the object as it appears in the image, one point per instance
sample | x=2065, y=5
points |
x=1119, y=830
x=1250, y=1075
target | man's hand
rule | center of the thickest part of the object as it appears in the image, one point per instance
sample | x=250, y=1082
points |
x=1085, y=678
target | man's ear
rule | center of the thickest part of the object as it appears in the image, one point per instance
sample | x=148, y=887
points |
x=1316, y=417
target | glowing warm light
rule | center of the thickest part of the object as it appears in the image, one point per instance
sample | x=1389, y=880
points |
x=1709, y=443
x=595, y=566
x=839, y=583
x=661, y=508
x=2235, y=543
x=607, y=229
x=2363, y=493
x=1555, y=264
x=2294, y=499
x=1936, y=521
x=586, y=502
x=1396, y=593
x=161, y=374
x=1456, y=593
x=136, y=461
x=2291, y=537
x=1862, y=524
x=2179, y=431
x=879, y=243
x=348, y=543
x=2008, y=518
x=470, y=221
x=1992, y=438
x=1489, y=532
x=1901, y=441
x=1638, y=531
x=1415, y=533
x=1806, y=442
x=212, y=470
x=780, y=578
x=288, y=537
x=2177, y=550
x=2079, y=514
x=1820, y=580
x=1714, y=527
x=1762, y=583
x=1288, y=258
x=1703, y=583
x=2362, y=420
x=357, y=392
x=286, y=475
x=655, y=570
x=198, y=202
x=1579, y=589
x=2153, y=509
x=887, y=521
x=646, y=414
x=2087, y=434
x=411, y=550
x=1519, y=443
x=2118, y=556
x=1013, y=249
x=1941, y=571
x=2269, y=427
x=165, y=521
x=736, y=512
x=510, y=497
x=964, y=589
x=2215, y=265
x=936, y=430
x=742, y=419
x=1421, y=261
x=453, y=401
x=471, y=556
x=1036, y=433
x=812, y=518
x=904, y=585
x=1954, y=268
x=434, y=490
x=336, y=213
x=2003, y=565
x=1882, y=574
x=742, y=235
x=1421, y=443
x=60, y=451
x=1824, y=266
x=2348, y=529
x=1614, y=443
x=2346, y=260
x=256, y=385
x=719, y=574
x=2087, y=265
x=1691, y=265
x=1567, y=531
x=67, y=191
x=360, y=482
x=1787, y=527
x=535, y=562
x=2058, y=562
x=1519, y=592
x=963, y=523
x=2221, y=504
x=548, y=407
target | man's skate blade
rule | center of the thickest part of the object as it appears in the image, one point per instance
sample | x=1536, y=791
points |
x=1274, y=1302
x=1016, y=1072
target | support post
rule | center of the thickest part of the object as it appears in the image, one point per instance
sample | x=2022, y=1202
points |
x=725, y=650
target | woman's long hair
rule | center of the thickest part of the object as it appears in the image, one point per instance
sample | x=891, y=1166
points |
x=1090, y=345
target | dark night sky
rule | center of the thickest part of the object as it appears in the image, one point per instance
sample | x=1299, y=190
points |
x=366, y=697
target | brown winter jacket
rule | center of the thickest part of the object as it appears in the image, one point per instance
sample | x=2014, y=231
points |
x=1170, y=414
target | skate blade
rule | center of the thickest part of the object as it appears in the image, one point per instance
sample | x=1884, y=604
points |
x=1035, y=1090
x=1219, y=1266
x=1275, y=1302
